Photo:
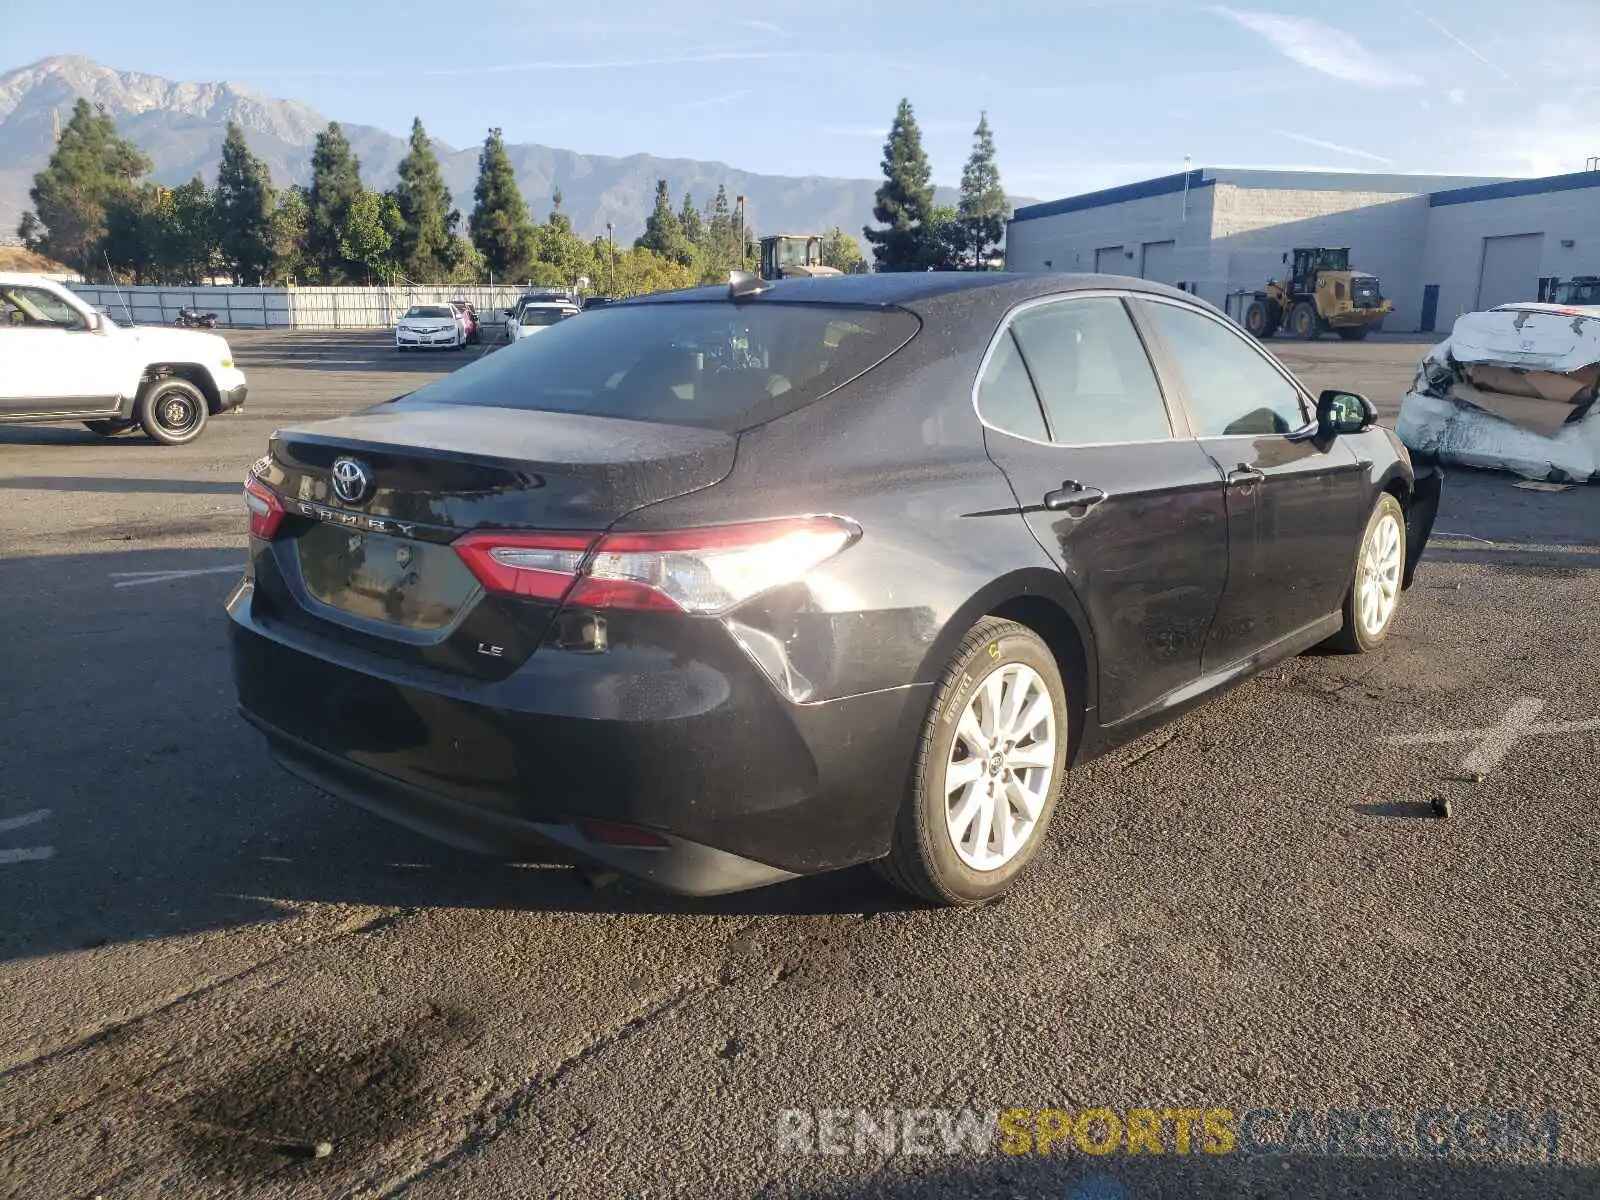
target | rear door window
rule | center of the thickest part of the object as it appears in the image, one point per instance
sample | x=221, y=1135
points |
x=1092, y=373
x=1006, y=399
x=714, y=363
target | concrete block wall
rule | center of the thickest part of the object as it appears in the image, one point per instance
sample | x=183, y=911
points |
x=1069, y=240
x=1452, y=255
x=1254, y=227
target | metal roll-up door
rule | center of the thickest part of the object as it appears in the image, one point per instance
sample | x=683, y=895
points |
x=1510, y=269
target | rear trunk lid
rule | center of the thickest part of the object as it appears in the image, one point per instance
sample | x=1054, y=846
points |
x=374, y=565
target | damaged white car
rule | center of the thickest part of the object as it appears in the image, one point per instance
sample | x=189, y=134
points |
x=1512, y=389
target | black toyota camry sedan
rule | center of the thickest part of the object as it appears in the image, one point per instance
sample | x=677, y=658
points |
x=719, y=587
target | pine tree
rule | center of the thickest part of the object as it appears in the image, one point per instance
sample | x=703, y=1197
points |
x=335, y=189
x=720, y=243
x=689, y=221
x=983, y=209
x=422, y=248
x=243, y=203
x=904, y=199
x=663, y=234
x=90, y=168
x=499, y=222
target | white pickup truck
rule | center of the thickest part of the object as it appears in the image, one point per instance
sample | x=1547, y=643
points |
x=60, y=360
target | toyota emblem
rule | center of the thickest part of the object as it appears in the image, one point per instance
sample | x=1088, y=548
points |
x=352, y=482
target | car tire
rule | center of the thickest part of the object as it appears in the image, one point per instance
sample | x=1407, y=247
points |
x=931, y=856
x=110, y=428
x=171, y=410
x=1377, y=582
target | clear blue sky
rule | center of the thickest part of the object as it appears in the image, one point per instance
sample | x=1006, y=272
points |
x=1081, y=93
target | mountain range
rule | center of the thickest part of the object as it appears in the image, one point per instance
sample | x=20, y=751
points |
x=180, y=126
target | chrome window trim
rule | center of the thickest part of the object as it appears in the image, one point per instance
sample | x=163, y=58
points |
x=1059, y=298
x=1308, y=405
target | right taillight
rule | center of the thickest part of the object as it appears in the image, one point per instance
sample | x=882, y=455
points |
x=701, y=571
x=266, y=510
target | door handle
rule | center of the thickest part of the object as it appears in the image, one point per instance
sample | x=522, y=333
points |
x=1073, y=498
x=1244, y=475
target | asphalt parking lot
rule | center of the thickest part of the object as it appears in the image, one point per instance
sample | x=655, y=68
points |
x=207, y=968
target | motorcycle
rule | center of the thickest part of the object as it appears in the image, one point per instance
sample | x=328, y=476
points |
x=189, y=318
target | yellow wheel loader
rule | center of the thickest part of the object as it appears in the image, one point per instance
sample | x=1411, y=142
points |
x=1320, y=293
x=793, y=256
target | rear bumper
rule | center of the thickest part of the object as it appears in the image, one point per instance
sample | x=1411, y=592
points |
x=748, y=787
x=684, y=867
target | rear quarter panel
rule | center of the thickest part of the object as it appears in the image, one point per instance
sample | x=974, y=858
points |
x=900, y=452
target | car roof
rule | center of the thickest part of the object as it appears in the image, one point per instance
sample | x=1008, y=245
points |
x=910, y=289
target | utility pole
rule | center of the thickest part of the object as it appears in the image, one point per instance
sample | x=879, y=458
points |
x=739, y=207
x=611, y=245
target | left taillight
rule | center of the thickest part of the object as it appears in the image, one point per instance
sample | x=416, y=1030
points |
x=266, y=510
x=702, y=571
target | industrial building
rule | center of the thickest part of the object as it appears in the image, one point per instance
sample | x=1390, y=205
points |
x=1440, y=246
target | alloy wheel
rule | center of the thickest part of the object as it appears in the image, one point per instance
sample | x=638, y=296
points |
x=1001, y=767
x=1378, y=591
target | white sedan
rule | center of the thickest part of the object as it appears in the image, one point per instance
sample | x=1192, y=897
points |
x=430, y=326
x=535, y=317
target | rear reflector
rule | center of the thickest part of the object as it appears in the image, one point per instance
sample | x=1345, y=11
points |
x=537, y=566
x=701, y=571
x=266, y=510
x=614, y=833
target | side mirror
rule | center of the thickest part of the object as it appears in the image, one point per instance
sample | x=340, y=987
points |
x=1344, y=412
x=1285, y=258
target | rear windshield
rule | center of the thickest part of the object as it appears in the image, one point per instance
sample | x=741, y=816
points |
x=429, y=310
x=713, y=364
x=545, y=316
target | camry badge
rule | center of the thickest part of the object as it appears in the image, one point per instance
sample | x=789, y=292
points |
x=352, y=482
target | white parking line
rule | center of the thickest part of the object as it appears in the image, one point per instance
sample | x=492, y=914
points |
x=25, y=853
x=140, y=578
x=1496, y=741
x=26, y=819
